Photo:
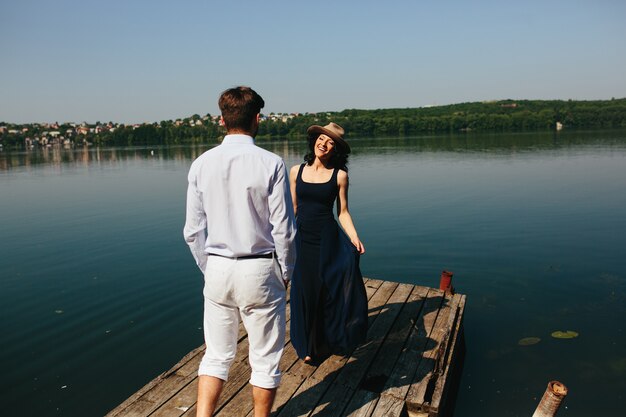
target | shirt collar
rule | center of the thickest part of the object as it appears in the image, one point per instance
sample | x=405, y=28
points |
x=238, y=139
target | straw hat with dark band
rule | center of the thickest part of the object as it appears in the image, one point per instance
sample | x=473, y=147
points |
x=332, y=130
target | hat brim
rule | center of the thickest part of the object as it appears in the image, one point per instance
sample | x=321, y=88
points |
x=314, y=131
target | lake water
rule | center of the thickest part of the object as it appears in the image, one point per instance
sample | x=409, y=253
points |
x=99, y=294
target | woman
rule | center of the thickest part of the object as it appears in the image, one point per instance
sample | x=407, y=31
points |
x=328, y=301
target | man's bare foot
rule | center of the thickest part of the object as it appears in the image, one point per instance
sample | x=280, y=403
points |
x=308, y=359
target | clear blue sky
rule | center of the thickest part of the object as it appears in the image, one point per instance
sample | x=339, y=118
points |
x=144, y=61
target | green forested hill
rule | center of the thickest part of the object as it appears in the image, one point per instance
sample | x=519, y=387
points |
x=505, y=115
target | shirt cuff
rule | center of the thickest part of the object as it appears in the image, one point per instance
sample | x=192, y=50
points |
x=287, y=275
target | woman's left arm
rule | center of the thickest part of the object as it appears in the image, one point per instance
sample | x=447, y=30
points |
x=345, y=219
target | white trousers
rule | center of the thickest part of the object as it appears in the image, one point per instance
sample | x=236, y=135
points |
x=250, y=289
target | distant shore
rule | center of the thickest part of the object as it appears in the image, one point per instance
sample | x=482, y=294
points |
x=492, y=116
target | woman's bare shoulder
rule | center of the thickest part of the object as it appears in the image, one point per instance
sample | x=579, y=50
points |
x=342, y=176
x=294, y=169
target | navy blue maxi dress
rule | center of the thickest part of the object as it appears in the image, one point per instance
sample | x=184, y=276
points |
x=328, y=299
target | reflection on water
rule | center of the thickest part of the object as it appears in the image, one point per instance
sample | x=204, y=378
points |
x=99, y=293
x=56, y=156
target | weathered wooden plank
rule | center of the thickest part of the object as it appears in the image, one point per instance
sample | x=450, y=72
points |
x=365, y=400
x=175, y=382
x=362, y=404
x=177, y=405
x=305, y=398
x=421, y=389
x=414, y=413
x=191, y=412
x=361, y=359
x=168, y=403
x=384, y=363
x=334, y=401
x=399, y=381
x=240, y=405
x=448, y=366
x=389, y=406
x=140, y=408
x=379, y=299
x=371, y=286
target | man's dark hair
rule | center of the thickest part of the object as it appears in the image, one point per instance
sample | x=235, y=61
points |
x=239, y=107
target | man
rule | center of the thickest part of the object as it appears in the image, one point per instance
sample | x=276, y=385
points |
x=240, y=228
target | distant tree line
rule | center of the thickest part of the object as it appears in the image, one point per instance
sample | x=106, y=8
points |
x=163, y=133
x=503, y=115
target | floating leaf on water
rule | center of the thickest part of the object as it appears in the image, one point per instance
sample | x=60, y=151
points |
x=527, y=341
x=564, y=335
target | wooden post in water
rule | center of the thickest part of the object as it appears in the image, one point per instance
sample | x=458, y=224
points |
x=445, y=282
x=551, y=400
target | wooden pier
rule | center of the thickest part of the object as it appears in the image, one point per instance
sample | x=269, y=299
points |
x=407, y=367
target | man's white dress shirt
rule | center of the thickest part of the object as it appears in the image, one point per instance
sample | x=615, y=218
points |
x=233, y=190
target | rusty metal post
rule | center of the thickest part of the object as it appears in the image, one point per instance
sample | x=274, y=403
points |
x=551, y=400
x=445, y=282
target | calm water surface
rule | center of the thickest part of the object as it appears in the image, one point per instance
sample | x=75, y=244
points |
x=98, y=293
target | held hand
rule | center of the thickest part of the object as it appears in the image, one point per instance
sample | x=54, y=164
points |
x=358, y=244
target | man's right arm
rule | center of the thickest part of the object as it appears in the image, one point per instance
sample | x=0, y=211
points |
x=283, y=222
x=195, y=222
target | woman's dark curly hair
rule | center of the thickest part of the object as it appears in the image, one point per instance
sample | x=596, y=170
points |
x=338, y=159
